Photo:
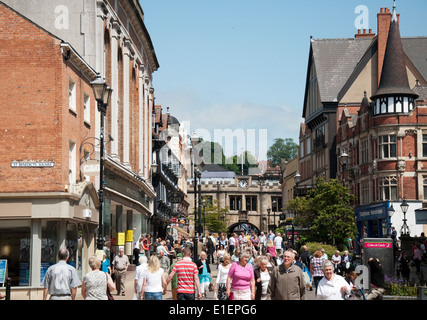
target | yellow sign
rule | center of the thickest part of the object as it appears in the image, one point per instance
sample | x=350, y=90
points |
x=129, y=235
x=120, y=239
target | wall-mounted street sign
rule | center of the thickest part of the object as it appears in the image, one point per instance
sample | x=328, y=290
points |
x=32, y=164
x=90, y=168
x=175, y=197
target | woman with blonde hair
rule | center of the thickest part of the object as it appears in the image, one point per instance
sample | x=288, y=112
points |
x=154, y=281
x=221, y=279
x=204, y=273
x=96, y=282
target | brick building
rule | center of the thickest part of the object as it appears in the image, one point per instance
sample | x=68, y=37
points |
x=47, y=111
x=381, y=152
x=87, y=37
x=341, y=120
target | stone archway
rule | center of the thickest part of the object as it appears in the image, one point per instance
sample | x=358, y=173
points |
x=245, y=227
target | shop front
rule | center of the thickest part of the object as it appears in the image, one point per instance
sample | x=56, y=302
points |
x=372, y=221
x=128, y=209
x=33, y=227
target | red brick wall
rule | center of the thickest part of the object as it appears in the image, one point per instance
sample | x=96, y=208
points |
x=35, y=121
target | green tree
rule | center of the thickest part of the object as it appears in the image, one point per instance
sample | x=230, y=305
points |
x=282, y=148
x=327, y=213
x=214, y=217
x=234, y=163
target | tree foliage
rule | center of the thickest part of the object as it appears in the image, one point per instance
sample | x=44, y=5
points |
x=214, y=217
x=282, y=148
x=327, y=213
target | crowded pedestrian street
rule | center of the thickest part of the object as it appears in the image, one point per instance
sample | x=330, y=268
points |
x=236, y=152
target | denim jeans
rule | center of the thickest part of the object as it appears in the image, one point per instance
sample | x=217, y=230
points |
x=153, y=296
x=186, y=296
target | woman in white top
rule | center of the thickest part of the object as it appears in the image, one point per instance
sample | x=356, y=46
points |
x=332, y=286
x=154, y=283
x=336, y=261
x=262, y=273
x=221, y=279
x=220, y=253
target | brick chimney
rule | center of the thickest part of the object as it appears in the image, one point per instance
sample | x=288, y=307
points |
x=364, y=34
x=384, y=20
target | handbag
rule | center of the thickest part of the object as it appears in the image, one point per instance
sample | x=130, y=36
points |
x=109, y=295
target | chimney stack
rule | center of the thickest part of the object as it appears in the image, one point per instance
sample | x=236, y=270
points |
x=364, y=34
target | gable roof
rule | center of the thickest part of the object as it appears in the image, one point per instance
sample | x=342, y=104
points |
x=339, y=61
x=335, y=60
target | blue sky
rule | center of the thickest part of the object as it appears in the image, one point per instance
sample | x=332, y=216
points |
x=233, y=64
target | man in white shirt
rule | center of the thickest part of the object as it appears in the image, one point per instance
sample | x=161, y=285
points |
x=262, y=242
x=231, y=244
x=278, y=243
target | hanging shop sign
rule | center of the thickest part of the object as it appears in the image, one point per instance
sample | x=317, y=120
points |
x=90, y=168
x=175, y=197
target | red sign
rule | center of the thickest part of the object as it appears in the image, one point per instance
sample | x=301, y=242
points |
x=378, y=245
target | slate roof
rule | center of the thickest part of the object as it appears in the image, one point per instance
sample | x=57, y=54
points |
x=416, y=50
x=335, y=60
x=216, y=171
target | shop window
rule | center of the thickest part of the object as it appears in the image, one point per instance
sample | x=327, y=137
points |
x=50, y=245
x=71, y=244
x=15, y=247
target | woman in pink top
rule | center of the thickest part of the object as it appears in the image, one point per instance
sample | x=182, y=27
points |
x=271, y=249
x=241, y=279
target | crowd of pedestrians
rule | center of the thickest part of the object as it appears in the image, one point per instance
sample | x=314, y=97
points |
x=249, y=267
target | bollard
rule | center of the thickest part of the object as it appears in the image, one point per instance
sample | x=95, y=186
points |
x=8, y=286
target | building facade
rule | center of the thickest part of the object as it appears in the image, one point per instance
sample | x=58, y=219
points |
x=47, y=111
x=381, y=147
x=359, y=122
x=106, y=37
x=169, y=175
x=253, y=203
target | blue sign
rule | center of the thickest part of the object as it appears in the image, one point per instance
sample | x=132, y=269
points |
x=372, y=212
x=3, y=266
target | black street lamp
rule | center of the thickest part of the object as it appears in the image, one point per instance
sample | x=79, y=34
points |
x=102, y=93
x=405, y=229
x=197, y=192
x=390, y=212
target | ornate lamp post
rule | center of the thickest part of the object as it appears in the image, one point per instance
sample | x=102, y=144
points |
x=405, y=229
x=102, y=93
x=390, y=212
